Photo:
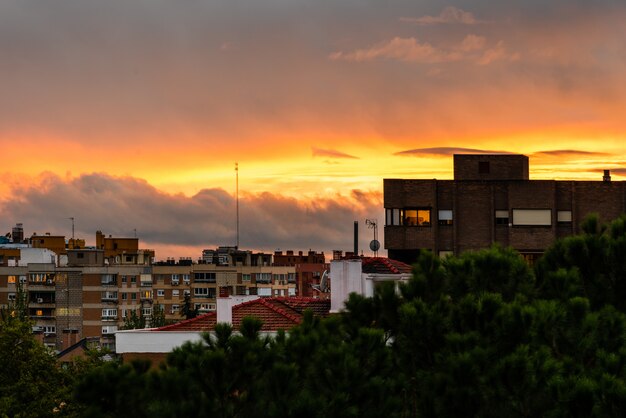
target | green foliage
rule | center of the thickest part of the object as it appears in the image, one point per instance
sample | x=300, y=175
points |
x=134, y=320
x=31, y=384
x=478, y=335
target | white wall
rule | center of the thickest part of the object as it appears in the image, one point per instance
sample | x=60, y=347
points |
x=345, y=278
x=37, y=255
x=224, y=306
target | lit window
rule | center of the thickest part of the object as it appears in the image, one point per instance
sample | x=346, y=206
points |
x=417, y=217
x=11, y=279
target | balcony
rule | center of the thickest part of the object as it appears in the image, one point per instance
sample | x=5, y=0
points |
x=108, y=283
x=109, y=318
x=109, y=299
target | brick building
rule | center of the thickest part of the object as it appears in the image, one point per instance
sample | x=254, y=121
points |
x=491, y=200
x=310, y=268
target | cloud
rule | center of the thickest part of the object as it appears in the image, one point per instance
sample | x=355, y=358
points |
x=472, y=48
x=118, y=205
x=449, y=15
x=446, y=151
x=400, y=49
x=318, y=152
x=570, y=152
x=498, y=53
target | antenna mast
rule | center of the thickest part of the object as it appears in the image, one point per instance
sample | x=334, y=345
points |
x=72, y=219
x=237, y=199
x=375, y=244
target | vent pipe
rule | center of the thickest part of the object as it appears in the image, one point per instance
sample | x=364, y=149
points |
x=356, y=238
x=607, y=175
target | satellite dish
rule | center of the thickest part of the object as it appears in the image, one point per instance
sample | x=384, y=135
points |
x=375, y=245
x=323, y=287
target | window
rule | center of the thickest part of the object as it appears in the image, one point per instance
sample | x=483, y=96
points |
x=146, y=294
x=123, y=279
x=201, y=292
x=109, y=329
x=483, y=167
x=186, y=278
x=291, y=277
x=49, y=329
x=133, y=279
x=108, y=280
x=108, y=296
x=22, y=279
x=133, y=296
x=175, y=308
x=532, y=217
x=109, y=313
x=564, y=217
x=241, y=290
x=11, y=279
x=124, y=296
x=264, y=277
x=417, y=217
x=204, y=277
x=160, y=293
x=80, y=255
x=146, y=311
x=445, y=217
x=264, y=291
x=245, y=277
x=129, y=258
x=393, y=217
x=175, y=292
x=502, y=217
x=12, y=296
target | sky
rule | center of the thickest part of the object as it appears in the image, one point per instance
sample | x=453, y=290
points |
x=129, y=115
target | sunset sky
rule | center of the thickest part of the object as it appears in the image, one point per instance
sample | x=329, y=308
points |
x=131, y=114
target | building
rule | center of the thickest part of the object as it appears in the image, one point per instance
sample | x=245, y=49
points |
x=275, y=314
x=90, y=291
x=310, y=268
x=361, y=275
x=491, y=200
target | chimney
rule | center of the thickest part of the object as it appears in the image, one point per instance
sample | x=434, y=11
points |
x=607, y=175
x=356, y=237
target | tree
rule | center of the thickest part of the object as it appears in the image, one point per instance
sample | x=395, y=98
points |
x=134, y=320
x=188, y=311
x=31, y=384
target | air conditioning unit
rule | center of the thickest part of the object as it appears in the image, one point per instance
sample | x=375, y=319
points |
x=39, y=300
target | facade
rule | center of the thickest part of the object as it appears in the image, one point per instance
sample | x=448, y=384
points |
x=90, y=291
x=275, y=313
x=361, y=275
x=310, y=268
x=491, y=200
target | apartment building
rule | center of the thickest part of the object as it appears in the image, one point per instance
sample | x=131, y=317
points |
x=492, y=200
x=95, y=289
x=310, y=268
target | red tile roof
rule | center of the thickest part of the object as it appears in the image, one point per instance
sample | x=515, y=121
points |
x=276, y=313
x=383, y=265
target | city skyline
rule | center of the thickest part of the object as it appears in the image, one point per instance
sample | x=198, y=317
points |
x=131, y=115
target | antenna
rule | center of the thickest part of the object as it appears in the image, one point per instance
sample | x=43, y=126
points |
x=374, y=244
x=237, y=199
x=72, y=219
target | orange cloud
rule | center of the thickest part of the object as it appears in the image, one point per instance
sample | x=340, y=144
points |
x=448, y=15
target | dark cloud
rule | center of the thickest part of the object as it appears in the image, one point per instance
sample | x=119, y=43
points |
x=449, y=15
x=570, y=152
x=446, y=151
x=317, y=152
x=117, y=206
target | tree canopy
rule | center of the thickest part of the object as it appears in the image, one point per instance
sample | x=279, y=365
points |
x=482, y=334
